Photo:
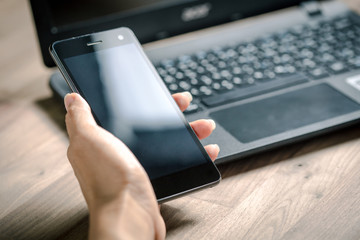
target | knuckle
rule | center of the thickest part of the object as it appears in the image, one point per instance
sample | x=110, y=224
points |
x=71, y=110
x=79, y=136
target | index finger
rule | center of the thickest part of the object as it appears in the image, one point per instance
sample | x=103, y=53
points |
x=183, y=100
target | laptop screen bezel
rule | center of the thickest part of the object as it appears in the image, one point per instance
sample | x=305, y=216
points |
x=165, y=22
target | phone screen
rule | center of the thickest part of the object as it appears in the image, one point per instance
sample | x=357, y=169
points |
x=128, y=100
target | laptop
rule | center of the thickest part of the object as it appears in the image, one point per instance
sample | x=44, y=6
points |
x=268, y=72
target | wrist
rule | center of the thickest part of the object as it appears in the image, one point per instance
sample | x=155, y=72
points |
x=120, y=219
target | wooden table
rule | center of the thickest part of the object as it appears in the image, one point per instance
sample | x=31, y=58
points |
x=309, y=190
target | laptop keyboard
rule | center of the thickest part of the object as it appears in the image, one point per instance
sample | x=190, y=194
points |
x=295, y=56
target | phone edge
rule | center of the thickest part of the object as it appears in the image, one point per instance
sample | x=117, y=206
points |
x=62, y=68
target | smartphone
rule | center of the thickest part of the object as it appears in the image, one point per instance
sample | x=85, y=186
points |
x=129, y=99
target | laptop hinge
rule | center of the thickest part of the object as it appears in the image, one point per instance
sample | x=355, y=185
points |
x=312, y=8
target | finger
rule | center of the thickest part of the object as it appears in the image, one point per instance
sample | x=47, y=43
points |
x=78, y=115
x=212, y=150
x=203, y=128
x=160, y=228
x=183, y=100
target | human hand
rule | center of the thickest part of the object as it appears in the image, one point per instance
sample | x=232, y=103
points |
x=121, y=201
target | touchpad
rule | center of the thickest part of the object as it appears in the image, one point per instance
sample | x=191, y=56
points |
x=264, y=118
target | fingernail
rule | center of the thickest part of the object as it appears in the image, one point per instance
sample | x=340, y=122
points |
x=68, y=100
x=216, y=146
x=188, y=95
x=213, y=124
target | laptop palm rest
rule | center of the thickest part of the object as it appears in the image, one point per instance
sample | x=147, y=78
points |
x=288, y=111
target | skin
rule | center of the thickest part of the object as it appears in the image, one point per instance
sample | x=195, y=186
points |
x=117, y=190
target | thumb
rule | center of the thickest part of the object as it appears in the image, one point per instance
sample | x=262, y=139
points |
x=78, y=117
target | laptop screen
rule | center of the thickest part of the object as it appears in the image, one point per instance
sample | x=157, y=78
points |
x=149, y=19
x=69, y=14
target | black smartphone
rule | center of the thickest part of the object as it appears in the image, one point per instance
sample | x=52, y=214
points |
x=129, y=99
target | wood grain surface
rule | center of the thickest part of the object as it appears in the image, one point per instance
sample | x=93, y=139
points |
x=308, y=190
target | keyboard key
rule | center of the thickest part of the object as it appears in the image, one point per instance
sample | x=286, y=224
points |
x=195, y=92
x=238, y=81
x=184, y=86
x=169, y=79
x=218, y=87
x=194, y=82
x=269, y=74
x=161, y=71
x=318, y=73
x=343, y=23
x=279, y=69
x=173, y=87
x=172, y=70
x=206, y=80
x=308, y=63
x=259, y=76
x=255, y=90
x=345, y=53
x=326, y=58
x=179, y=75
x=338, y=67
x=216, y=76
x=190, y=74
x=225, y=74
x=221, y=65
x=200, y=70
x=324, y=47
x=193, y=107
x=236, y=70
x=205, y=90
x=355, y=62
x=227, y=85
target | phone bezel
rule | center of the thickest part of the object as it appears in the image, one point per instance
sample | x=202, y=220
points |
x=166, y=187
